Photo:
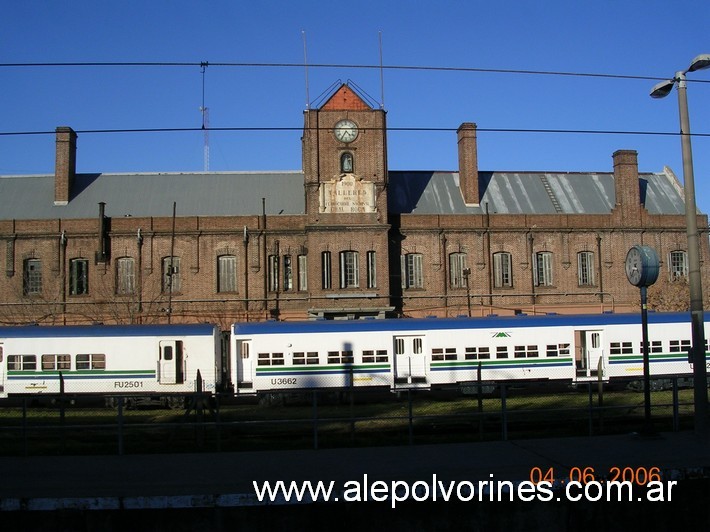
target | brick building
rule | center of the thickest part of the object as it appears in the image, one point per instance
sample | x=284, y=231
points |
x=344, y=238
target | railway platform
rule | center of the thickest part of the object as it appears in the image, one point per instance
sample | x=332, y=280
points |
x=125, y=485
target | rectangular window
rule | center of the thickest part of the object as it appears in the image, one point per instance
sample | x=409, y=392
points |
x=457, y=265
x=543, y=268
x=273, y=273
x=307, y=358
x=655, y=346
x=21, y=362
x=90, y=361
x=412, y=271
x=171, y=274
x=340, y=357
x=477, y=353
x=677, y=265
x=32, y=277
x=680, y=346
x=56, y=362
x=620, y=348
x=78, y=277
x=502, y=351
x=370, y=356
x=502, y=270
x=326, y=273
x=288, y=273
x=125, y=276
x=371, y=269
x=303, y=272
x=585, y=268
x=270, y=359
x=227, y=273
x=349, y=269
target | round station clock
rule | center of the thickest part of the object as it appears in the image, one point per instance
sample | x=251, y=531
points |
x=642, y=266
x=346, y=131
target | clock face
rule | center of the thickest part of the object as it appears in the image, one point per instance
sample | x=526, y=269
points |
x=642, y=266
x=634, y=266
x=346, y=131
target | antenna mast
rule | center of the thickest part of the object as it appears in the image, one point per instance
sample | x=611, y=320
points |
x=205, y=121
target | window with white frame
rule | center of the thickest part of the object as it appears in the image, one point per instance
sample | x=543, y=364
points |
x=226, y=273
x=371, y=269
x=677, y=265
x=502, y=270
x=273, y=273
x=326, y=270
x=412, y=270
x=349, y=269
x=457, y=265
x=543, y=268
x=585, y=268
x=125, y=275
x=288, y=273
x=303, y=272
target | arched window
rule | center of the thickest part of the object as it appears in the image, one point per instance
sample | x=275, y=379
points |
x=346, y=163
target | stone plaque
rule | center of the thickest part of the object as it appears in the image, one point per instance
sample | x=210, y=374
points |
x=348, y=193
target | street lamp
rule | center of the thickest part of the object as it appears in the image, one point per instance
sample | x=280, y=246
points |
x=697, y=350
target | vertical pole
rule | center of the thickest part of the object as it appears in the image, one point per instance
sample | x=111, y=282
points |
x=697, y=353
x=411, y=417
x=120, y=426
x=646, y=363
x=315, y=419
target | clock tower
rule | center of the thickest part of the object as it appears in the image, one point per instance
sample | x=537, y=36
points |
x=345, y=178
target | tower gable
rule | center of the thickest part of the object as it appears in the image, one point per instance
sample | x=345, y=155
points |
x=345, y=99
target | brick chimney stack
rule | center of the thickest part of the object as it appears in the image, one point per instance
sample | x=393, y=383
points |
x=626, y=181
x=468, y=163
x=65, y=164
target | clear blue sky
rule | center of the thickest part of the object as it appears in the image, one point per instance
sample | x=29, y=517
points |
x=650, y=38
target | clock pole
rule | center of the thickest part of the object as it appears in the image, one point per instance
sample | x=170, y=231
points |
x=648, y=428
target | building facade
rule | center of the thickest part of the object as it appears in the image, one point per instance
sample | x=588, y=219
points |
x=344, y=238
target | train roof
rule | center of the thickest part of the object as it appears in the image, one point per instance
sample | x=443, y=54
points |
x=73, y=331
x=422, y=324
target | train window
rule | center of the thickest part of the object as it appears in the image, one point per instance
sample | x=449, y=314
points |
x=417, y=346
x=477, y=353
x=245, y=350
x=368, y=356
x=437, y=353
x=470, y=353
x=382, y=356
x=270, y=359
x=564, y=349
x=168, y=352
x=399, y=346
x=90, y=361
x=299, y=358
x=533, y=351
x=450, y=353
x=340, y=357
x=21, y=362
x=655, y=347
x=312, y=357
x=519, y=351
x=620, y=348
x=596, y=344
x=502, y=351
x=680, y=346
x=551, y=350
x=56, y=362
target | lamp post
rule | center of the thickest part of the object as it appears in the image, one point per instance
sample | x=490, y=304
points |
x=466, y=274
x=697, y=350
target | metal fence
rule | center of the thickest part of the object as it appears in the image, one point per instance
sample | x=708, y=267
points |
x=320, y=418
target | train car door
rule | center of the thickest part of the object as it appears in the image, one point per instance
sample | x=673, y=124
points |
x=591, y=356
x=170, y=362
x=409, y=359
x=244, y=364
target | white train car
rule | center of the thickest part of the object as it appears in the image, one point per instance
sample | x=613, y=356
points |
x=111, y=359
x=427, y=352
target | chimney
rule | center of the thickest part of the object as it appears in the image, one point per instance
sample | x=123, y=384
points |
x=65, y=164
x=468, y=163
x=626, y=179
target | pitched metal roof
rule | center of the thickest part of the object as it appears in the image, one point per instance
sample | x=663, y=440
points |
x=240, y=193
x=528, y=193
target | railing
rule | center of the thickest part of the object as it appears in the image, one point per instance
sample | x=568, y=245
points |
x=322, y=418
